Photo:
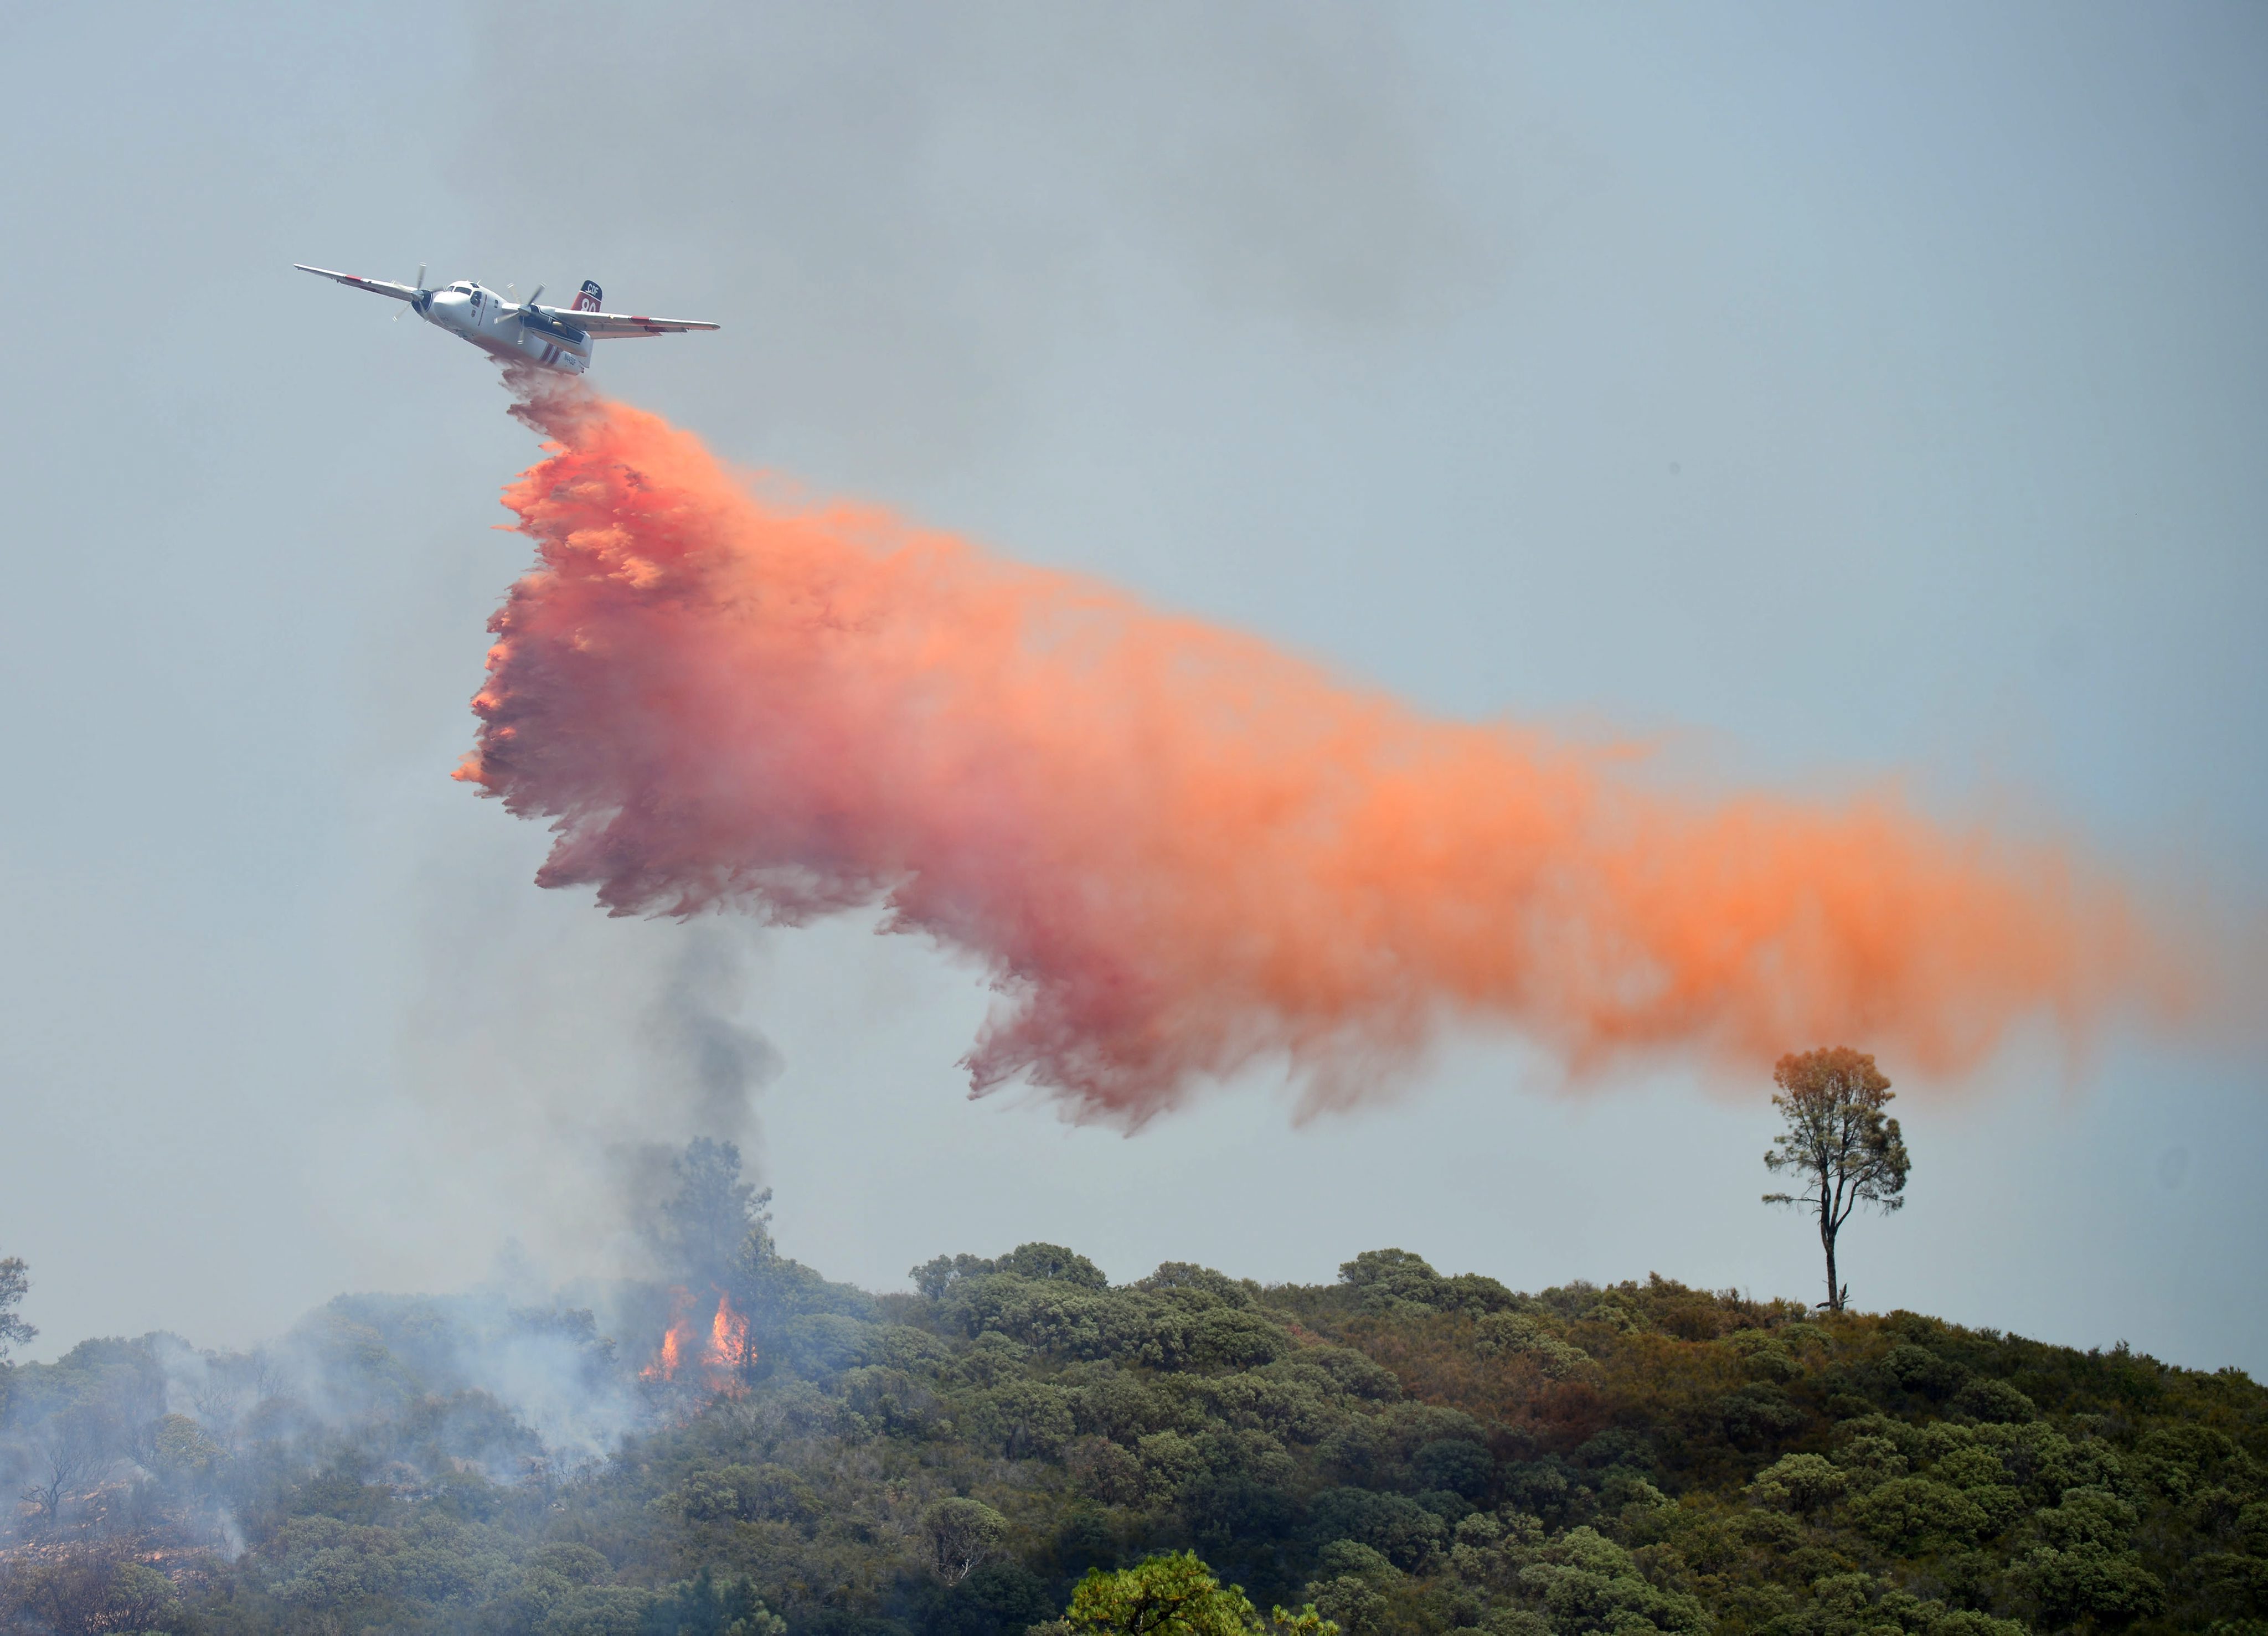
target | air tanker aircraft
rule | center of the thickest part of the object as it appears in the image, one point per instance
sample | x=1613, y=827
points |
x=519, y=331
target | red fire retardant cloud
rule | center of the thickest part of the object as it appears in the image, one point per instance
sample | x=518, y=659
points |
x=1179, y=851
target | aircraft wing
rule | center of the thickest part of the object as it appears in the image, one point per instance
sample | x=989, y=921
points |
x=620, y=326
x=376, y=286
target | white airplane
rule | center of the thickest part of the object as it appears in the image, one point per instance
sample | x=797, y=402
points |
x=520, y=331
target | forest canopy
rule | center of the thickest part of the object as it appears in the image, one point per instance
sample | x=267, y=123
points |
x=758, y=1449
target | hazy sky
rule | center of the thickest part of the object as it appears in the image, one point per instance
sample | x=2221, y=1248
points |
x=1838, y=393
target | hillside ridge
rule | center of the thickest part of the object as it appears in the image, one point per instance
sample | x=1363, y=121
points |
x=1407, y=1451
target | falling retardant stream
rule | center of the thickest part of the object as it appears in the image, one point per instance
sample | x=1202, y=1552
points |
x=1178, y=852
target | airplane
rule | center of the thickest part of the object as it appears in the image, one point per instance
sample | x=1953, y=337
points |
x=519, y=332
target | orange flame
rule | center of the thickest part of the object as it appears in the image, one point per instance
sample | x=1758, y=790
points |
x=664, y=1367
x=725, y=1352
x=728, y=1336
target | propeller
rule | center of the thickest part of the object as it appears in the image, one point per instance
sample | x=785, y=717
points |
x=418, y=302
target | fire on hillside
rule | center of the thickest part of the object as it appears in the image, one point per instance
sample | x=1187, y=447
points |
x=715, y=1355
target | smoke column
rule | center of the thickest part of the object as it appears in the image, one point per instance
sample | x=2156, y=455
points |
x=1178, y=850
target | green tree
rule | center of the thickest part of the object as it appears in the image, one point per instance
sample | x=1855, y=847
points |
x=1052, y=1264
x=1802, y=1483
x=85, y=1586
x=704, y=1222
x=15, y=1281
x=963, y=1534
x=708, y=1605
x=1176, y=1595
x=1836, y=1137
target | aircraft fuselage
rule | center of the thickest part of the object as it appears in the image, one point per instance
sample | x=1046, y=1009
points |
x=477, y=313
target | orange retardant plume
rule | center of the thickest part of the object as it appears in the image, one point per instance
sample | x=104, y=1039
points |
x=1179, y=851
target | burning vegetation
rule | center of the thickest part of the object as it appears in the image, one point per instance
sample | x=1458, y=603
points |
x=1413, y=1454
x=715, y=1355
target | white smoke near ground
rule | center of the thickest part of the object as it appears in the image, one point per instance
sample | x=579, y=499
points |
x=513, y=1385
x=419, y=1391
x=529, y=1388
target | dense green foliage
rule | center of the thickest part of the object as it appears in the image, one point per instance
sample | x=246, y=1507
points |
x=1173, y=1594
x=1408, y=1452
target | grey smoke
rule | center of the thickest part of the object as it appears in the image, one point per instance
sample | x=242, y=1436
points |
x=519, y=1393
x=707, y=1064
x=905, y=211
x=555, y=1060
x=717, y=1062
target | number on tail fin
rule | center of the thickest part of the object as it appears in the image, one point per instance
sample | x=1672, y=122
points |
x=587, y=298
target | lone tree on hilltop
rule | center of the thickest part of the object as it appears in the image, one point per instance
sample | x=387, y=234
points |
x=1837, y=1137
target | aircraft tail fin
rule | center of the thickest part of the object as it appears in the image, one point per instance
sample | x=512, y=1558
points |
x=588, y=299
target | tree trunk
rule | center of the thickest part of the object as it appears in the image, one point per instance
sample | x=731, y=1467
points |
x=1834, y=1289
